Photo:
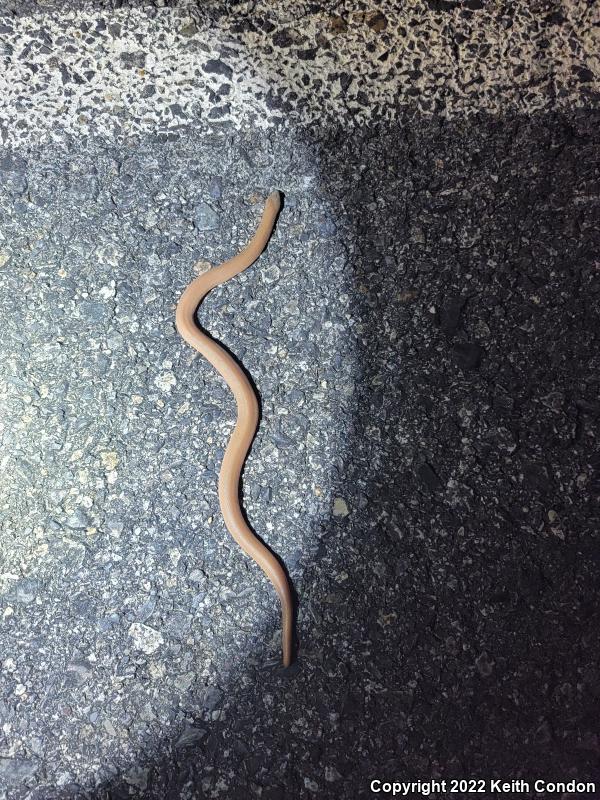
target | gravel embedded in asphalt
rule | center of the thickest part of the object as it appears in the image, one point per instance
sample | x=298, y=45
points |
x=423, y=333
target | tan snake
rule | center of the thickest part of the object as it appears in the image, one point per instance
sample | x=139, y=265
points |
x=247, y=412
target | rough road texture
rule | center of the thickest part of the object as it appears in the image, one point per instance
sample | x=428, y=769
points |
x=289, y=63
x=423, y=334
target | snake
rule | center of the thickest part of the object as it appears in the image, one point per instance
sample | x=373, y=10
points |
x=246, y=424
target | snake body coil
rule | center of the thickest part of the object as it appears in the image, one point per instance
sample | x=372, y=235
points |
x=247, y=412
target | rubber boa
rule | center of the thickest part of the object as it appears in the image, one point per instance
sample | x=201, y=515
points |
x=247, y=412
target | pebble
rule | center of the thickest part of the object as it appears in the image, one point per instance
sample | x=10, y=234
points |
x=25, y=591
x=191, y=735
x=165, y=381
x=205, y=217
x=13, y=770
x=218, y=67
x=137, y=776
x=212, y=697
x=146, y=639
x=340, y=507
x=215, y=188
x=485, y=667
x=78, y=520
x=429, y=477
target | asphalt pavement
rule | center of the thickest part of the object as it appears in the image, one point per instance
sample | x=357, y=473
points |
x=422, y=331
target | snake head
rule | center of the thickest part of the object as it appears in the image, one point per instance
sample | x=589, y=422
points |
x=274, y=201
